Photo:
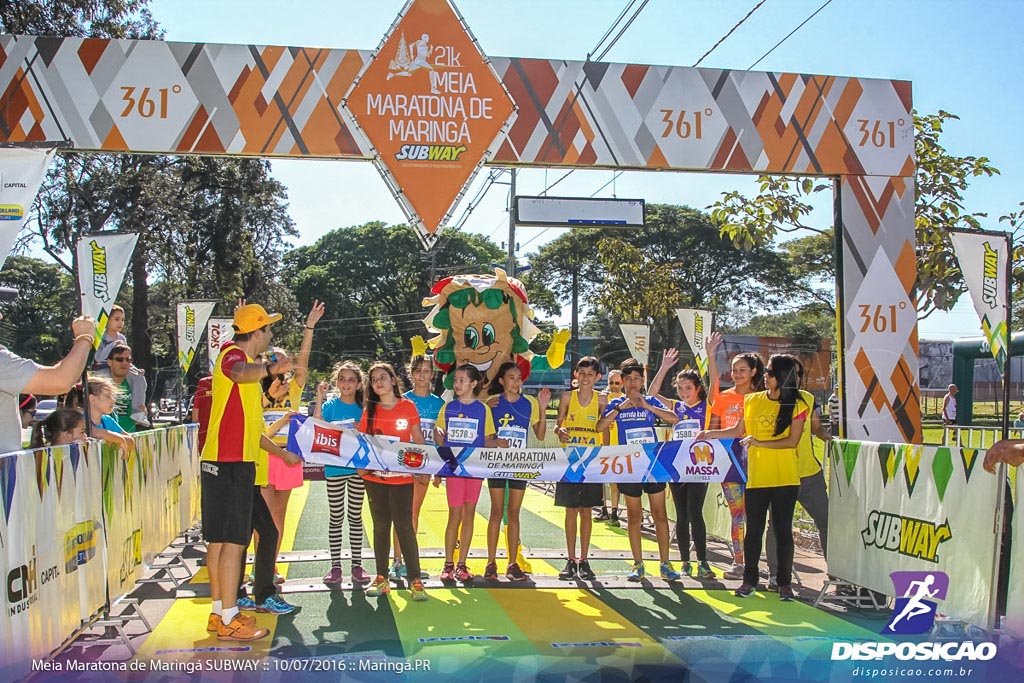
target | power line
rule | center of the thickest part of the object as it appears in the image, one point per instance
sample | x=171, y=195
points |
x=738, y=24
x=629, y=23
x=614, y=178
x=827, y=2
x=611, y=28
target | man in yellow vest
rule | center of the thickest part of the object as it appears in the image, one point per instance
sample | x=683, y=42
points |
x=233, y=461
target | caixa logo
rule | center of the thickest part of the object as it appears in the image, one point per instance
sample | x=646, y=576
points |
x=326, y=440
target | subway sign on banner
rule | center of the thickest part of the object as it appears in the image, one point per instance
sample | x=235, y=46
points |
x=99, y=271
x=905, y=535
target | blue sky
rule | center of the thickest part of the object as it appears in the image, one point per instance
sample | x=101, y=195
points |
x=963, y=57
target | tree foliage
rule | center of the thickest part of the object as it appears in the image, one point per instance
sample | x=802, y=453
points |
x=38, y=324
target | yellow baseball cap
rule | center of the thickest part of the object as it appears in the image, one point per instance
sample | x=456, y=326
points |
x=252, y=317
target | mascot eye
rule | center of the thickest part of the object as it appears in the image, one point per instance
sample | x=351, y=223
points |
x=472, y=337
x=488, y=334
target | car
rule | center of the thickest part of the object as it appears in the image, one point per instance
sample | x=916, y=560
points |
x=44, y=408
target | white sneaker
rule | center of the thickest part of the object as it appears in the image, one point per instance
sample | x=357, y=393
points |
x=735, y=572
x=139, y=417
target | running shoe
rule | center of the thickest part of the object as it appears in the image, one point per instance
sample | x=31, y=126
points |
x=570, y=571
x=704, y=571
x=213, y=623
x=773, y=583
x=744, y=591
x=397, y=570
x=275, y=604
x=686, y=569
x=380, y=586
x=734, y=572
x=491, y=572
x=241, y=630
x=424, y=575
x=638, y=573
x=585, y=572
x=448, y=573
x=602, y=516
x=786, y=594
x=419, y=593
x=514, y=573
x=333, y=577
x=246, y=603
x=360, y=575
x=462, y=573
x=668, y=572
x=278, y=579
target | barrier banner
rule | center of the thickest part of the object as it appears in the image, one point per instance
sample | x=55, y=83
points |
x=192, y=317
x=904, y=507
x=984, y=259
x=696, y=326
x=102, y=262
x=53, y=573
x=667, y=461
x=218, y=332
x=22, y=171
x=1015, y=601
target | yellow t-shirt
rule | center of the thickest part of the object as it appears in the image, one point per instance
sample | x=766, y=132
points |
x=769, y=466
x=806, y=463
x=236, y=414
x=581, y=421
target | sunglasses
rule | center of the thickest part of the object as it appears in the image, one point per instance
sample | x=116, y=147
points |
x=122, y=359
x=768, y=372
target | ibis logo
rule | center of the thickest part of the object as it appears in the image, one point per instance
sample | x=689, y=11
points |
x=326, y=440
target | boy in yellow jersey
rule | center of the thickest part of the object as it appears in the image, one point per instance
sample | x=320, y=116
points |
x=578, y=413
x=230, y=460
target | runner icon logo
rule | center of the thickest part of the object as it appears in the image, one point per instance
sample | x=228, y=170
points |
x=916, y=593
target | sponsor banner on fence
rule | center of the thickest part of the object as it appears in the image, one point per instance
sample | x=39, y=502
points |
x=1015, y=602
x=905, y=506
x=696, y=326
x=983, y=259
x=53, y=551
x=687, y=461
x=102, y=261
x=638, y=340
x=21, y=174
x=192, y=317
x=218, y=332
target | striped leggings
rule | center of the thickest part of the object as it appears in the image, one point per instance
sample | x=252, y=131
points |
x=737, y=510
x=345, y=499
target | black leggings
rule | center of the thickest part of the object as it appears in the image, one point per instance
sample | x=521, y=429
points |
x=782, y=501
x=689, y=501
x=263, y=585
x=391, y=504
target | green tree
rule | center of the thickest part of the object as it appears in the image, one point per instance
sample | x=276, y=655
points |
x=373, y=279
x=38, y=324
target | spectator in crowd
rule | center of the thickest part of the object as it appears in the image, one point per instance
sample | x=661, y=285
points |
x=27, y=407
x=130, y=410
x=22, y=376
x=949, y=406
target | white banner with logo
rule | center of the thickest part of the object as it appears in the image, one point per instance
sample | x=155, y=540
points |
x=696, y=326
x=1015, y=601
x=218, y=332
x=192, y=318
x=52, y=559
x=667, y=461
x=638, y=339
x=984, y=258
x=902, y=507
x=21, y=173
x=102, y=262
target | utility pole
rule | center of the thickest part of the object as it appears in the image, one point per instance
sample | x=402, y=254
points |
x=512, y=225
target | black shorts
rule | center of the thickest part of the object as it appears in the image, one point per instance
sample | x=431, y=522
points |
x=569, y=495
x=513, y=484
x=227, y=496
x=637, y=490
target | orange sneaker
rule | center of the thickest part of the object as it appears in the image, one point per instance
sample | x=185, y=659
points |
x=241, y=629
x=214, y=623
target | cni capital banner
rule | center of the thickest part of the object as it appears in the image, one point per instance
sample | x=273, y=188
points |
x=192, y=319
x=21, y=173
x=102, y=262
x=903, y=507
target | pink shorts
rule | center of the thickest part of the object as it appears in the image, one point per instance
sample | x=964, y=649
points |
x=461, y=491
x=281, y=476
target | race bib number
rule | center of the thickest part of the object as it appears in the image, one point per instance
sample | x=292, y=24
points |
x=463, y=430
x=640, y=435
x=344, y=424
x=686, y=430
x=516, y=436
x=427, y=427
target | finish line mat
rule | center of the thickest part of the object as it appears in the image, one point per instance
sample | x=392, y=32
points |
x=657, y=631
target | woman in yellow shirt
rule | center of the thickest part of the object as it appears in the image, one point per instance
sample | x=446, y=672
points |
x=772, y=424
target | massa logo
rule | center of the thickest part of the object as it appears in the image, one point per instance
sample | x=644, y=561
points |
x=326, y=440
x=413, y=458
x=905, y=535
x=702, y=455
